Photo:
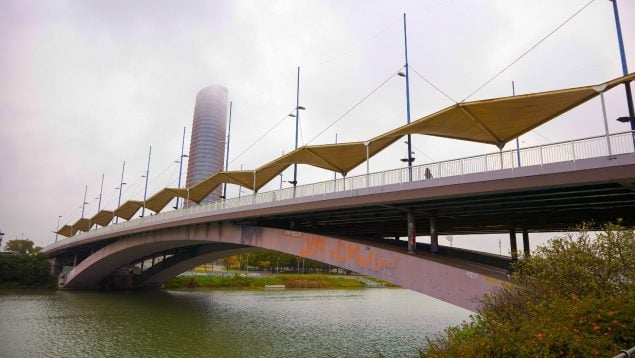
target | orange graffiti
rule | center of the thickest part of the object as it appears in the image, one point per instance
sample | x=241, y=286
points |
x=340, y=252
x=313, y=245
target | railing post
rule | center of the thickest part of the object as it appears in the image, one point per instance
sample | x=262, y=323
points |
x=606, y=125
x=461, y=165
x=541, y=158
x=573, y=151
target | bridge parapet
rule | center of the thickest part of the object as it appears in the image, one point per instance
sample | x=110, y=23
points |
x=500, y=165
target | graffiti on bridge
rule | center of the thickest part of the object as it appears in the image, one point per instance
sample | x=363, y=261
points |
x=341, y=252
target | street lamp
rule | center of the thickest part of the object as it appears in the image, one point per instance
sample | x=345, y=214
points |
x=405, y=39
x=59, y=217
x=121, y=184
x=627, y=85
x=229, y=131
x=85, y=202
x=1, y=236
x=410, y=158
x=180, y=161
x=145, y=191
x=297, y=122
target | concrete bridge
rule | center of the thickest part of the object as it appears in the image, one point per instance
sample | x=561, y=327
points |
x=355, y=222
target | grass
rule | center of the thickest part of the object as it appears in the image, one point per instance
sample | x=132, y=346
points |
x=259, y=282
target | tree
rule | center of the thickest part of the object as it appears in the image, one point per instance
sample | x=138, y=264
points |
x=24, y=270
x=573, y=297
x=232, y=261
x=19, y=246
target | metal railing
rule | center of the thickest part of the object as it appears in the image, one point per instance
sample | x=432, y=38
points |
x=626, y=353
x=584, y=148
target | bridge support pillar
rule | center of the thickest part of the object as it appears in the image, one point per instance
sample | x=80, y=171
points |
x=434, y=235
x=412, y=235
x=512, y=243
x=526, y=249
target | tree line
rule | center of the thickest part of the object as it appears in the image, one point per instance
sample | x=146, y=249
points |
x=274, y=261
x=23, y=265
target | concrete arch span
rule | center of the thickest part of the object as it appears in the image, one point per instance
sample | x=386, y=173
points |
x=456, y=283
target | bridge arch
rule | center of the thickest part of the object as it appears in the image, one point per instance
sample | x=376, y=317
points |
x=451, y=283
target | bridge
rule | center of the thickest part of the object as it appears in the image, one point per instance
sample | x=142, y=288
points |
x=357, y=222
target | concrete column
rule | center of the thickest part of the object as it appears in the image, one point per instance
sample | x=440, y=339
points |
x=412, y=235
x=434, y=235
x=75, y=260
x=526, y=248
x=512, y=243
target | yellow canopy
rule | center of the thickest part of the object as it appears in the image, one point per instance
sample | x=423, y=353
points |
x=159, y=200
x=497, y=121
x=66, y=230
x=201, y=190
x=341, y=158
x=128, y=209
x=493, y=121
x=82, y=224
x=102, y=218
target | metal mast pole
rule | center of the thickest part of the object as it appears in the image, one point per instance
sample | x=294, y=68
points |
x=229, y=131
x=59, y=217
x=517, y=140
x=405, y=38
x=180, y=167
x=84, y=203
x=297, y=122
x=145, y=191
x=101, y=191
x=334, y=172
x=627, y=85
x=123, y=168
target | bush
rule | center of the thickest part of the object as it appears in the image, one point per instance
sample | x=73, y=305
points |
x=24, y=270
x=573, y=297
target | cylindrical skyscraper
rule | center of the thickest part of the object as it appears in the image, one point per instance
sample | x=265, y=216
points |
x=207, y=146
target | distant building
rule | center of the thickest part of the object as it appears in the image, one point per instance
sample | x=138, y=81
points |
x=207, y=146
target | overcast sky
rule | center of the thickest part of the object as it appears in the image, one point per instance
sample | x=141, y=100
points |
x=85, y=85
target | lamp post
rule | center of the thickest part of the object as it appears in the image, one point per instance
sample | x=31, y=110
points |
x=627, y=85
x=410, y=159
x=121, y=184
x=100, y=193
x=59, y=217
x=145, y=191
x=229, y=131
x=517, y=140
x=181, y=166
x=1, y=236
x=297, y=122
x=84, y=203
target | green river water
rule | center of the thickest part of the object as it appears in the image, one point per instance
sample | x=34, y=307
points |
x=163, y=323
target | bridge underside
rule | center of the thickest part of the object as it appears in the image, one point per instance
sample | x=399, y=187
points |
x=454, y=280
x=553, y=197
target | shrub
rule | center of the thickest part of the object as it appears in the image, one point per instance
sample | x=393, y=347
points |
x=572, y=297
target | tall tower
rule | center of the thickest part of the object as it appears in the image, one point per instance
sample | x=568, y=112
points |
x=207, y=146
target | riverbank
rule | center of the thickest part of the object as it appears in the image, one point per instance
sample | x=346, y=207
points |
x=259, y=282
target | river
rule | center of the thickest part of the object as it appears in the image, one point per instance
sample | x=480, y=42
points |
x=233, y=323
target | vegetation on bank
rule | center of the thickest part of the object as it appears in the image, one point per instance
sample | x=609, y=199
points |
x=19, y=270
x=574, y=297
x=258, y=282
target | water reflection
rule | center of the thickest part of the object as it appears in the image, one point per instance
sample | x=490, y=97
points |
x=287, y=323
